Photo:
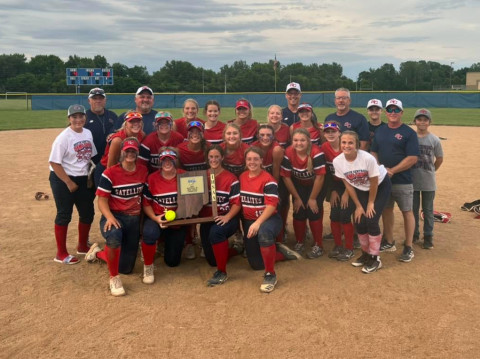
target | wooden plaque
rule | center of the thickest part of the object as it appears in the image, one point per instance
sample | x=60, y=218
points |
x=192, y=188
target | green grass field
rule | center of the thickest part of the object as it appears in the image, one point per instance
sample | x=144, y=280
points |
x=15, y=116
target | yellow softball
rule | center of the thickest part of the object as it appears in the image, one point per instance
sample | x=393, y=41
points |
x=170, y=215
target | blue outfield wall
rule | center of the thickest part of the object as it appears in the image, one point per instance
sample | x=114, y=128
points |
x=320, y=99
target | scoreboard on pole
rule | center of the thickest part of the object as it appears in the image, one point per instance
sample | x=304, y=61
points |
x=85, y=76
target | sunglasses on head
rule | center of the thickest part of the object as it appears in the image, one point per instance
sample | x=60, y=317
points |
x=393, y=110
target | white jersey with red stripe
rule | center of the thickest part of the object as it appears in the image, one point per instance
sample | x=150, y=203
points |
x=256, y=193
x=123, y=188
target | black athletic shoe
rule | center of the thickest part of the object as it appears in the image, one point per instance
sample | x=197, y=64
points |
x=218, y=278
x=407, y=255
x=374, y=264
x=287, y=252
x=346, y=255
x=469, y=206
x=362, y=260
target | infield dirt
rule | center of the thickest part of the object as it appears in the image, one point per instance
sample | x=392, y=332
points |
x=429, y=308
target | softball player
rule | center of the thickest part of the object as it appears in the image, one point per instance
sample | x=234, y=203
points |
x=119, y=201
x=213, y=127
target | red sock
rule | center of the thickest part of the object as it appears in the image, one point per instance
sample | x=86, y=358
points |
x=279, y=257
x=220, y=250
x=61, y=239
x=113, y=258
x=348, y=230
x=102, y=255
x=317, y=230
x=232, y=252
x=336, y=228
x=148, y=251
x=268, y=255
x=83, y=231
x=300, y=227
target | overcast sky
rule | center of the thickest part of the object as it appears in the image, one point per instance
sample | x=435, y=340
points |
x=358, y=34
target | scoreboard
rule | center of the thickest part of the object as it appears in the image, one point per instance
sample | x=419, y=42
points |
x=84, y=76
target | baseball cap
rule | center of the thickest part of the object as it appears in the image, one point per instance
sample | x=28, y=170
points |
x=394, y=102
x=242, y=103
x=293, y=86
x=331, y=125
x=305, y=106
x=130, y=143
x=132, y=115
x=163, y=115
x=144, y=88
x=195, y=124
x=167, y=154
x=423, y=112
x=96, y=91
x=374, y=102
x=75, y=109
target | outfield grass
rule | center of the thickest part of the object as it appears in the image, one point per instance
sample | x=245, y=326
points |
x=20, y=118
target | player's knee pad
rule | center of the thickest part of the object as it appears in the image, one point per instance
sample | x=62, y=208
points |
x=265, y=239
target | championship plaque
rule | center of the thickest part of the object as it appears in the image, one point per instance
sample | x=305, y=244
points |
x=192, y=188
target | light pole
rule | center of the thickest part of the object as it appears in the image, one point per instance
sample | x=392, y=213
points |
x=451, y=71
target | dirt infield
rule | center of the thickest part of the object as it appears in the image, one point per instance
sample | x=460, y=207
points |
x=429, y=308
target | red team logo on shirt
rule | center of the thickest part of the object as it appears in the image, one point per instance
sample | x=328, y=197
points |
x=398, y=136
x=359, y=177
x=83, y=150
x=347, y=125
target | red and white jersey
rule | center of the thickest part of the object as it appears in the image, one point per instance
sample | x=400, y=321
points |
x=249, y=131
x=235, y=161
x=315, y=133
x=161, y=193
x=122, y=135
x=181, y=125
x=150, y=148
x=256, y=193
x=267, y=164
x=330, y=154
x=227, y=188
x=282, y=135
x=214, y=135
x=123, y=188
x=191, y=160
x=296, y=168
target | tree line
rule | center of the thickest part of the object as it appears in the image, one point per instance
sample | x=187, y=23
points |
x=46, y=74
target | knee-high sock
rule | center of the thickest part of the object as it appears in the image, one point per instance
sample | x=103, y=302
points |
x=300, y=227
x=363, y=239
x=317, y=231
x=220, y=250
x=102, y=255
x=113, y=258
x=374, y=244
x=61, y=239
x=348, y=231
x=268, y=255
x=336, y=228
x=148, y=251
x=83, y=231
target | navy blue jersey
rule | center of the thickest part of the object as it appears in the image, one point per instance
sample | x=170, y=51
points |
x=100, y=126
x=392, y=145
x=148, y=121
x=372, y=129
x=352, y=121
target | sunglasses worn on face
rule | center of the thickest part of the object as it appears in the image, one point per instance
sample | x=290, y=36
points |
x=393, y=110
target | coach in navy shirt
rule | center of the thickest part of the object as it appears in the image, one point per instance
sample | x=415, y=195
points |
x=293, y=94
x=396, y=147
x=348, y=118
x=144, y=101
